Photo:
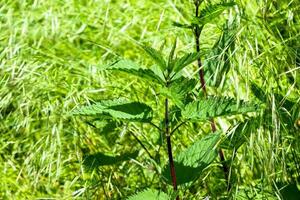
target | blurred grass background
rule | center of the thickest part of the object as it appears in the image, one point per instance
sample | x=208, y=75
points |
x=51, y=53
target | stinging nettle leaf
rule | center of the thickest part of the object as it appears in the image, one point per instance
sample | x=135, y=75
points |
x=190, y=163
x=157, y=71
x=171, y=55
x=150, y=194
x=134, y=69
x=207, y=108
x=179, y=25
x=200, y=151
x=120, y=109
x=212, y=11
x=179, y=89
x=185, y=60
x=156, y=57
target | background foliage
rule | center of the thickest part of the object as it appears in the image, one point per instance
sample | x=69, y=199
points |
x=51, y=54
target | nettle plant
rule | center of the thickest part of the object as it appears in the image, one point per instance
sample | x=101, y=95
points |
x=183, y=103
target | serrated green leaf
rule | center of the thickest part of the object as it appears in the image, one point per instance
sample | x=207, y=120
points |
x=179, y=89
x=179, y=25
x=175, y=116
x=94, y=161
x=200, y=151
x=212, y=11
x=171, y=56
x=149, y=194
x=190, y=163
x=207, y=108
x=134, y=69
x=157, y=71
x=156, y=56
x=120, y=109
x=185, y=60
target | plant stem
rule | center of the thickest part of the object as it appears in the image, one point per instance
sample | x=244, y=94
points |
x=155, y=126
x=142, y=145
x=197, y=33
x=177, y=127
x=169, y=147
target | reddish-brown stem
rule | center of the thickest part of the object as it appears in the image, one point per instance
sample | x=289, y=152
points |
x=197, y=33
x=169, y=147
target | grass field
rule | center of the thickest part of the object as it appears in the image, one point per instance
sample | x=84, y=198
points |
x=51, y=55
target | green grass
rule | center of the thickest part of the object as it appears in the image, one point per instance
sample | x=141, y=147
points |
x=51, y=53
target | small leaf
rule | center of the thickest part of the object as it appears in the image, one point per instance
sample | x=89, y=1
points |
x=149, y=194
x=185, y=60
x=212, y=11
x=207, y=108
x=175, y=116
x=156, y=70
x=190, y=163
x=179, y=89
x=133, y=69
x=171, y=56
x=179, y=25
x=156, y=57
x=94, y=161
x=120, y=109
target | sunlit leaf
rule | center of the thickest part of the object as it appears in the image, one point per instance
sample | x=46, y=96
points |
x=118, y=109
x=171, y=56
x=156, y=56
x=134, y=69
x=179, y=89
x=207, y=108
x=185, y=60
x=212, y=11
